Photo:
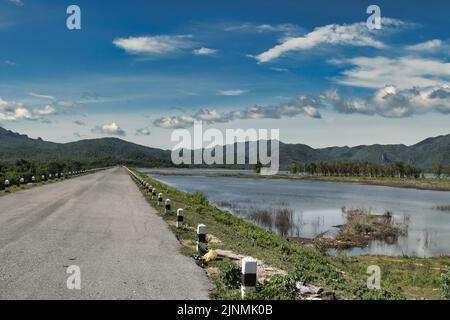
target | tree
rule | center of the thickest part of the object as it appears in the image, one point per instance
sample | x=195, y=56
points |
x=438, y=170
x=258, y=167
x=447, y=171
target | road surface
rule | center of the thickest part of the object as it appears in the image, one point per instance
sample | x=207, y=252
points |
x=102, y=224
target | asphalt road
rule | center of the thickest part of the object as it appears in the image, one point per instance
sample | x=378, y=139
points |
x=102, y=224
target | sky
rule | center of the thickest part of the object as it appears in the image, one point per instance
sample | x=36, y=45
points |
x=138, y=70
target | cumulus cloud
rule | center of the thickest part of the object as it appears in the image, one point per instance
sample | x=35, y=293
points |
x=143, y=132
x=155, y=45
x=109, y=129
x=47, y=110
x=356, y=34
x=404, y=72
x=236, y=92
x=389, y=102
x=301, y=105
x=205, y=51
x=14, y=111
x=392, y=102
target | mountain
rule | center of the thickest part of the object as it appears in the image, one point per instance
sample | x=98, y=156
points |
x=14, y=146
x=423, y=154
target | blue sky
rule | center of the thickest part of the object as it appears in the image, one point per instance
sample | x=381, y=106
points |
x=139, y=69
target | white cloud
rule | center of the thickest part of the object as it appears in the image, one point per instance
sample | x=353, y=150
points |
x=301, y=105
x=279, y=69
x=205, y=51
x=427, y=46
x=389, y=102
x=143, y=132
x=404, y=72
x=9, y=63
x=286, y=28
x=236, y=92
x=392, y=102
x=47, y=110
x=17, y=2
x=109, y=129
x=14, y=111
x=356, y=34
x=155, y=45
x=42, y=96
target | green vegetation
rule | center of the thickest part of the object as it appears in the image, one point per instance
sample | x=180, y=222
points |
x=230, y=275
x=357, y=169
x=446, y=284
x=25, y=169
x=402, y=277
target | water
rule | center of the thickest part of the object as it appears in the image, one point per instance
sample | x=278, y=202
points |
x=202, y=171
x=318, y=207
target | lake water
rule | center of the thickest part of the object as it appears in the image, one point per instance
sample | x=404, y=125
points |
x=318, y=206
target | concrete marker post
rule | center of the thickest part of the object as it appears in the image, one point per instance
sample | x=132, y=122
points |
x=153, y=193
x=43, y=179
x=7, y=186
x=180, y=217
x=160, y=199
x=201, y=242
x=168, y=206
x=21, y=182
x=249, y=276
x=33, y=180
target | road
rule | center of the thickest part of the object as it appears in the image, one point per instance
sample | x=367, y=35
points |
x=102, y=224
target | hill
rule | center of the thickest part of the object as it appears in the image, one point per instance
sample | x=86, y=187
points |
x=109, y=151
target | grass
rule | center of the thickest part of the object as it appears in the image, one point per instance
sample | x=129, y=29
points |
x=402, y=277
x=421, y=183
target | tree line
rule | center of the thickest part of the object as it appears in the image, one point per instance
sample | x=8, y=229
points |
x=359, y=169
x=26, y=169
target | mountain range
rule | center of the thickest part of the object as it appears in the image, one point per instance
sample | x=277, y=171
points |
x=15, y=146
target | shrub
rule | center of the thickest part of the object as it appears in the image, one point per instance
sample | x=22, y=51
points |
x=276, y=288
x=446, y=284
x=199, y=198
x=230, y=275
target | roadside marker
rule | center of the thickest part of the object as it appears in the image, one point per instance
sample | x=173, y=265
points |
x=7, y=186
x=167, y=206
x=43, y=179
x=153, y=193
x=201, y=243
x=160, y=199
x=33, y=179
x=249, y=268
x=180, y=217
x=21, y=182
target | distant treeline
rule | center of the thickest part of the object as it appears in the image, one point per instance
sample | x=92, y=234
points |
x=358, y=169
